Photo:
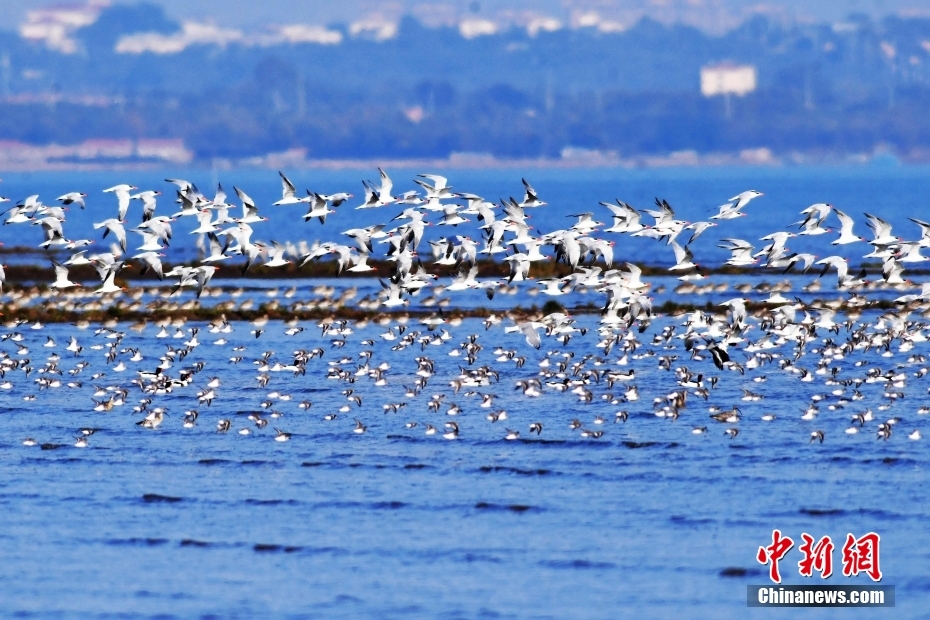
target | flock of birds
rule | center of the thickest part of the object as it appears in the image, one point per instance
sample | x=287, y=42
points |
x=841, y=344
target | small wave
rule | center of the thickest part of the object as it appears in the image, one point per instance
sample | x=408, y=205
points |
x=52, y=446
x=822, y=512
x=150, y=498
x=584, y=564
x=638, y=444
x=272, y=502
x=690, y=520
x=416, y=466
x=213, y=461
x=514, y=470
x=151, y=542
x=312, y=464
x=478, y=557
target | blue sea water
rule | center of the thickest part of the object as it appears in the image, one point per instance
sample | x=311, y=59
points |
x=643, y=522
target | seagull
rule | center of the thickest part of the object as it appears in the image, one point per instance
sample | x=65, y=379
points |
x=122, y=195
x=288, y=192
x=148, y=203
x=109, y=284
x=626, y=218
x=151, y=260
x=532, y=336
x=115, y=226
x=276, y=256
x=683, y=258
x=530, y=199
x=318, y=208
x=846, y=226
x=743, y=198
x=61, y=278
x=73, y=197
x=439, y=190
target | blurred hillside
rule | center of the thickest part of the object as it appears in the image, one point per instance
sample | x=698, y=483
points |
x=129, y=82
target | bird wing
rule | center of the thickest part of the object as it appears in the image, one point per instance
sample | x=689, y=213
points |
x=246, y=201
x=287, y=188
x=880, y=227
x=439, y=182
x=220, y=197
x=386, y=184
x=846, y=222
x=532, y=336
x=61, y=272
x=530, y=192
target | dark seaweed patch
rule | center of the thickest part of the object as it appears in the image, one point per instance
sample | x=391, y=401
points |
x=155, y=497
x=738, y=571
x=389, y=505
x=518, y=508
x=190, y=542
x=270, y=548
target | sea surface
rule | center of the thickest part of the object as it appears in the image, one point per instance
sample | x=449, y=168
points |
x=648, y=521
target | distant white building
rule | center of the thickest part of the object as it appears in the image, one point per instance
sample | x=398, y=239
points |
x=727, y=79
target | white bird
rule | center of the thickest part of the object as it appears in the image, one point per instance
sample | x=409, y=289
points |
x=122, y=195
x=109, y=284
x=288, y=192
x=451, y=217
x=318, y=208
x=276, y=256
x=881, y=231
x=73, y=197
x=148, y=203
x=530, y=198
x=846, y=227
x=743, y=198
x=152, y=261
x=439, y=190
x=61, y=278
x=532, y=336
x=116, y=227
x=626, y=218
x=684, y=259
